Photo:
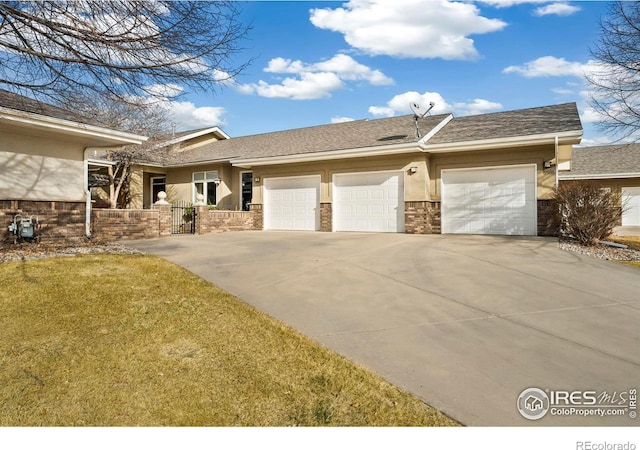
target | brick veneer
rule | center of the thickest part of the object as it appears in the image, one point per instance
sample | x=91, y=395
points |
x=326, y=223
x=258, y=215
x=548, y=218
x=112, y=224
x=422, y=217
x=214, y=221
x=57, y=220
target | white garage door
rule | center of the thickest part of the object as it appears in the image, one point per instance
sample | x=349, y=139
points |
x=631, y=217
x=292, y=203
x=369, y=202
x=499, y=200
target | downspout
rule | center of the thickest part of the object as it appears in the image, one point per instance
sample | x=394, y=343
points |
x=556, y=158
x=87, y=194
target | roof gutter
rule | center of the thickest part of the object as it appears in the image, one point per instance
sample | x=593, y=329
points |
x=566, y=137
x=598, y=176
x=21, y=117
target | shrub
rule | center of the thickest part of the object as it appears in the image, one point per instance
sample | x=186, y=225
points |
x=588, y=212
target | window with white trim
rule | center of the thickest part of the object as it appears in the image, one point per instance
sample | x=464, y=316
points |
x=205, y=183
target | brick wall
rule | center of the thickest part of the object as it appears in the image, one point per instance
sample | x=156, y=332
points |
x=547, y=218
x=229, y=221
x=112, y=224
x=422, y=217
x=325, y=217
x=57, y=220
x=258, y=216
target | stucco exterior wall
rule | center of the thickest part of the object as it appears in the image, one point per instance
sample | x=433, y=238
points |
x=415, y=185
x=522, y=155
x=33, y=168
x=180, y=183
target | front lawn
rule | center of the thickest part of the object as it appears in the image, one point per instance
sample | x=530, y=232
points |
x=134, y=340
x=630, y=241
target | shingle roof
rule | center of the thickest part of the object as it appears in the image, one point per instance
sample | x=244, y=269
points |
x=522, y=122
x=29, y=105
x=380, y=132
x=605, y=160
x=339, y=136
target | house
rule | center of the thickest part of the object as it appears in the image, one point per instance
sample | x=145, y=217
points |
x=612, y=166
x=483, y=174
x=45, y=157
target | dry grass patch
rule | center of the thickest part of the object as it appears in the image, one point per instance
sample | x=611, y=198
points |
x=134, y=340
x=630, y=241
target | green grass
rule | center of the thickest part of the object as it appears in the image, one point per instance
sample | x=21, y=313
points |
x=137, y=341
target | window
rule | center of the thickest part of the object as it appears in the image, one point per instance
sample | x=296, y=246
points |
x=157, y=184
x=205, y=183
x=246, y=185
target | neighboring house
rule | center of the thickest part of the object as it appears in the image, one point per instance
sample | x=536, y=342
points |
x=484, y=174
x=612, y=166
x=45, y=157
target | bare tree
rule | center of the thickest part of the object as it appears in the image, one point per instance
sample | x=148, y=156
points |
x=616, y=76
x=118, y=48
x=148, y=119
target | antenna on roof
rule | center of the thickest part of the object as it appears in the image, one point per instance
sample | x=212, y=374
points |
x=418, y=113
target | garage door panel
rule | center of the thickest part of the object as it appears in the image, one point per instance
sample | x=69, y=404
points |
x=631, y=197
x=292, y=203
x=369, y=202
x=489, y=201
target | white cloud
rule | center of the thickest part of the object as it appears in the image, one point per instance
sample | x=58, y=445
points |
x=163, y=90
x=550, y=66
x=341, y=119
x=557, y=9
x=187, y=116
x=399, y=104
x=478, y=106
x=309, y=86
x=562, y=91
x=313, y=81
x=408, y=28
x=507, y=3
x=343, y=66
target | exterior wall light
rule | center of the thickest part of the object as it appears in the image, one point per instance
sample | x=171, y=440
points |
x=217, y=181
x=413, y=169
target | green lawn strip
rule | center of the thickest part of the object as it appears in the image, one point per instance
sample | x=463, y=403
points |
x=134, y=340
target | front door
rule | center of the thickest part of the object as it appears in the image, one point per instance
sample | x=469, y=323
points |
x=246, y=189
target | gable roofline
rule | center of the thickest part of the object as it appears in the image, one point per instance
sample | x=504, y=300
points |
x=17, y=116
x=192, y=135
x=564, y=137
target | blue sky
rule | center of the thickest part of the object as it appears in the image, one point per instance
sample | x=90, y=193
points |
x=318, y=62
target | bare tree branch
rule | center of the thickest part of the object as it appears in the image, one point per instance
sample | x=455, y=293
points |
x=117, y=48
x=616, y=84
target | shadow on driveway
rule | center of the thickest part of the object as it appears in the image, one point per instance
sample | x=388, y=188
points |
x=466, y=323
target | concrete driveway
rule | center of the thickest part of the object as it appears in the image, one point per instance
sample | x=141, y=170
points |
x=465, y=323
